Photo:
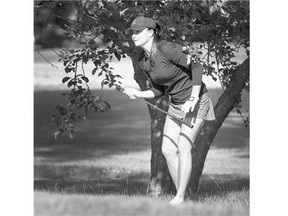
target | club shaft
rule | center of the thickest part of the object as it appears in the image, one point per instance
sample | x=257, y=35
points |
x=157, y=108
x=166, y=113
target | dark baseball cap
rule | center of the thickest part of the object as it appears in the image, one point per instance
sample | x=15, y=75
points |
x=141, y=23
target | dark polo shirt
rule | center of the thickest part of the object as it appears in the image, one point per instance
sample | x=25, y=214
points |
x=168, y=70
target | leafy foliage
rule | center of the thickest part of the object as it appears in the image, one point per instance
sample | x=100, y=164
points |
x=210, y=31
x=80, y=96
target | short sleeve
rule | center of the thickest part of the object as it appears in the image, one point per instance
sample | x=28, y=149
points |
x=197, y=71
x=158, y=90
x=173, y=53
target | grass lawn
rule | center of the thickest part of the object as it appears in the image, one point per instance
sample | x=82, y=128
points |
x=105, y=169
x=79, y=204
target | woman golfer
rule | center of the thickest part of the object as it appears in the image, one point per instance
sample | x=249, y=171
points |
x=170, y=71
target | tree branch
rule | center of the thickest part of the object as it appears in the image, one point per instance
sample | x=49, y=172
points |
x=42, y=30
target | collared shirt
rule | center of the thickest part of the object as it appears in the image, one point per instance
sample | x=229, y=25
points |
x=169, y=71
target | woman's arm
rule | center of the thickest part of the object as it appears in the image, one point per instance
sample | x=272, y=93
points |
x=195, y=91
x=134, y=93
x=155, y=91
x=192, y=100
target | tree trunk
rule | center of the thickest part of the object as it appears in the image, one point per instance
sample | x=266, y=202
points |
x=227, y=101
x=160, y=180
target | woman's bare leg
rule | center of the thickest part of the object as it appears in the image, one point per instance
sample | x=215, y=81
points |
x=186, y=139
x=169, y=147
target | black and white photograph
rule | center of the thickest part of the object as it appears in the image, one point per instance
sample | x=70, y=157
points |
x=141, y=107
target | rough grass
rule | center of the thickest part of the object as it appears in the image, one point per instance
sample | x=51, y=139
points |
x=79, y=204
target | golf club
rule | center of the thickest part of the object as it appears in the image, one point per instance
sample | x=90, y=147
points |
x=119, y=88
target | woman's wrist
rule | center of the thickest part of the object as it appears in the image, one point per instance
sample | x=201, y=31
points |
x=193, y=98
x=146, y=94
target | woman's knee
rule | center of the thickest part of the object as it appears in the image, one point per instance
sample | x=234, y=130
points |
x=184, y=145
x=168, y=147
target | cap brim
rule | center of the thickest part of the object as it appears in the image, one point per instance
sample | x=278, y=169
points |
x=130, y=30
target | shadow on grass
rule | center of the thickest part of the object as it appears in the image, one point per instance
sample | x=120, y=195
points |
x=129, y=186
x=215, y=183
x=137, y=185
x=125, y=128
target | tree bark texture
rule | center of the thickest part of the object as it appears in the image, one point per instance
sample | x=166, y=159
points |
x=227, y=101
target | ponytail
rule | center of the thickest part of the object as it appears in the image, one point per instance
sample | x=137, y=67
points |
x=157, y=34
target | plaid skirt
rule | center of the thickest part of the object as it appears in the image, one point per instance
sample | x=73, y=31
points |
x=203, y=110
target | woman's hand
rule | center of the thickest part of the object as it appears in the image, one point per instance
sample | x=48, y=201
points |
x=188, y=52
x=132, y=93
x=189, y=105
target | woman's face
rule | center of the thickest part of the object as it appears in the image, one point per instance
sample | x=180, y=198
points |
x=141, y=37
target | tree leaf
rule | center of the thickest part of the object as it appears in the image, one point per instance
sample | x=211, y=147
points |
x=117, y=56
x=118, y=76
x=94, y=70
x=213, y=8
x=100, y=73
x=65, y=79
x=70, y=83
x=97, y=62
x=85, y=79
x=71, y=134
x=68, y=69
x=57, y=134
x=104, y=82
x=108, y=105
